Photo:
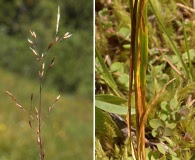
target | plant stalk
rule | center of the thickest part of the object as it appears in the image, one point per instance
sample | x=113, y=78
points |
x=40, y=143
x=138, y=64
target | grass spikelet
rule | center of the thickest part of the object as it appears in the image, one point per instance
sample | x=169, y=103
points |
x=34, y=52
x=58, y=19
x=50, y=108
x=10, y=94
x=67, y=35
x=31, y=42
x=33, y=34
x=19, y=106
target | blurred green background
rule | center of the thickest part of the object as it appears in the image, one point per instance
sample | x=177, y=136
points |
x=68, y=132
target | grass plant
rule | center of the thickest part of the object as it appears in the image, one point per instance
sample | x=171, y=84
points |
x=36, y=119
x=150, y=80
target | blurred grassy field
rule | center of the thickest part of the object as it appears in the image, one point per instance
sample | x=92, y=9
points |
x=67, y=133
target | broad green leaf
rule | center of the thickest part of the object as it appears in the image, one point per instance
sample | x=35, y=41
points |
x=168, y=132
x=117, y=66
x=169, y=141
x=173, y=155
x=125, y=32
x=161, y=148
x=112, y=108
x=154, y=133
x=171, y=125
x=148, y=153
x=163, y=117
x=174, y=103
x=155, y=155
x=155, y=123
x=124, y=79
x=110, y=99
x=164, y=106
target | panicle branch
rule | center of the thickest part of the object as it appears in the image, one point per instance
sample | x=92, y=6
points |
x=17, y=104
x=50, y=108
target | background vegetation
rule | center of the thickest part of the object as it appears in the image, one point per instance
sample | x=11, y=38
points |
x=18, y=17
x=67, y=134
x=68, y=130
x=169, y=130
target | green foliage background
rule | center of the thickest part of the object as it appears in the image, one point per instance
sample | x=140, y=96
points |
x=73, y=69
x=172, y=111
x=67, y=134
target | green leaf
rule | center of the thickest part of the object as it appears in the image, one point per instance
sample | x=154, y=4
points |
x=172, y=152
x=171, y=125
x=154, y=133
x=112, y=108
x=164, y=117
x=168, y=132
x=192, y=55
x=155, y=123
x=124, y=79
x=155, y=155
x=170, y=41
x=164, y=105
x=173, y=103
x=169, y=141
x=110, y=99
x=125, y=32
x=117, y=66
x=105, y=70
x=161, y=148
x=106, y=74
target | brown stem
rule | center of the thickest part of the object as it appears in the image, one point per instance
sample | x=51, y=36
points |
x=39, y=136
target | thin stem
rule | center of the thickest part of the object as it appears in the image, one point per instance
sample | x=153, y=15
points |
x=41, y=152
x=130, y=80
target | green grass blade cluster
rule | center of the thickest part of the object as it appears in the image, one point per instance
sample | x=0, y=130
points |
x=170, y=41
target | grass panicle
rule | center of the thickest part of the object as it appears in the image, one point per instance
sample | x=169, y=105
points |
x=42, y=74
